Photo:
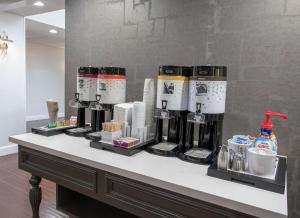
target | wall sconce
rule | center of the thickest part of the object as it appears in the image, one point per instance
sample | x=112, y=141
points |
x=4, y=40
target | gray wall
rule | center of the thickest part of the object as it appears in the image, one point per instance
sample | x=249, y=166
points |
x=259, y=41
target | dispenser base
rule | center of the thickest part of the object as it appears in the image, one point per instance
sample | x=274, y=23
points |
x=168, y=149
x=79, y=132
x=94, y=136
x=45, y=131
x=197, y=155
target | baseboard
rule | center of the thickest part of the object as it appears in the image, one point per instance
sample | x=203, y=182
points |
x=42, y=117
x=8, y=149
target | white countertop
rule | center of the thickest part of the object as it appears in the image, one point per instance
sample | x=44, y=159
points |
x=169, y=173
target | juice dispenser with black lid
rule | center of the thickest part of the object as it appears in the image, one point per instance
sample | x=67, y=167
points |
x=207, y=95
x=171, y=109
x=86, y=93
x=111, y=90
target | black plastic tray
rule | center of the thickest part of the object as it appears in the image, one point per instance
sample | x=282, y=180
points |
x=171, y=153
x=50, y=132
x=277, y=185
x=120, y=150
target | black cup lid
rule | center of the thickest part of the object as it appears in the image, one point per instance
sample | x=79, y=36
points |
x=88, y=70
x=112, y=71
x=175, y=70
x=215, y=71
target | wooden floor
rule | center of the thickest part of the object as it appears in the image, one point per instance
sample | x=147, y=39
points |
x=14, y=188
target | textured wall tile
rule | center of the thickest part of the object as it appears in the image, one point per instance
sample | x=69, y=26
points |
x=203, y=14
x=229, y=2
x=293, y=7
x=168, y=8
x=294, y=151
x=128, y=12
x=110, y=14
x=141, y=12
x=226, y=49
x=241, y=125
x=129, y=31
x=257, y=73
x=143, y=72
x=234, y=72
x=251, y=97
x=179, y=27
x=230, y=19
x=230, y=92
x=145, y=28
x=251, y=9
x=267, y=55
x=274, y=7
x=159, y=27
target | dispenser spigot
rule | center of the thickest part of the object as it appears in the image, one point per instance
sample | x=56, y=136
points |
x=164, y=104
x=76, y=96
x=97, y=105
x=198, y=108
x=98, y=98
x=198, y=116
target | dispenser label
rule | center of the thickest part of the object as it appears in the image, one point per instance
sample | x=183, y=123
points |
x=173, y=90
x=112, y=89
x=211, y=95
x=87, y=87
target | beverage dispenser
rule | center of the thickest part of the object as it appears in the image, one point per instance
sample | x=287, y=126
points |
x=86, y=93
x=207, y=94
x=171, y=109
x=111, y=90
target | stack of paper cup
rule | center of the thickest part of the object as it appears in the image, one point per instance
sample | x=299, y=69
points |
x=149, y=100
x=123, y=112
x=138, y=117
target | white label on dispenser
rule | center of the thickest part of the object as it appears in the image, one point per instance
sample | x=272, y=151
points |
x=87, y=87
x=112, y=88
x=174, y=91
x=211, y=95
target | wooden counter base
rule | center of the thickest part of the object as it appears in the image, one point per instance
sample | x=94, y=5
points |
x=83, y=191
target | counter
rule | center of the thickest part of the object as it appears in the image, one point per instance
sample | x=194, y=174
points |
x=168, y=173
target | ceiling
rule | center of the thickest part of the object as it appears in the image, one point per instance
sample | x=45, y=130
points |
x=54, y=18
x=38, y=26
x=38, y=32
x=26, y=7
x=39, y=20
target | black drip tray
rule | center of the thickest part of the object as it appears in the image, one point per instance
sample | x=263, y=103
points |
x=79, y=132
x=197, y=155
x=119, y=150
x=167, y=149
x=277, y=185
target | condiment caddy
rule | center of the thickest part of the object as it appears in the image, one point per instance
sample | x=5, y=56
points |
x=54, y=126
x=253, y=161
x=274, y=184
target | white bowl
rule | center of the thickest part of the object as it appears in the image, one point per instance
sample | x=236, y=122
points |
x=261, y=161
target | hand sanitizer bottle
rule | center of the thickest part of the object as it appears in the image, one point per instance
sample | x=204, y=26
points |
x=267, y=138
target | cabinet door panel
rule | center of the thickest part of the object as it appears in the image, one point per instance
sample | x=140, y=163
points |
x=159, y=202
x=58, y=170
